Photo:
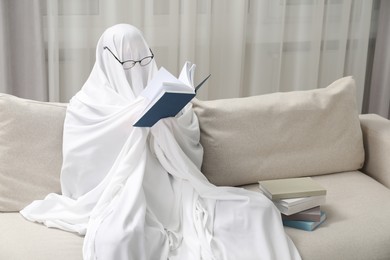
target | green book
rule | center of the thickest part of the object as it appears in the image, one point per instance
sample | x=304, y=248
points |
x=291, y=188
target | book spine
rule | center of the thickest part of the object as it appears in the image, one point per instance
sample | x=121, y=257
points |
x=298, y=194
x=300, y=207
x=313, y=214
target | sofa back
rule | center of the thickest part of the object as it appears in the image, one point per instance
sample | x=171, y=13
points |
x=281, y=135
x=30, y=150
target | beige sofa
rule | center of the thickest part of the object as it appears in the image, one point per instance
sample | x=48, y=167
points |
x=358, y=201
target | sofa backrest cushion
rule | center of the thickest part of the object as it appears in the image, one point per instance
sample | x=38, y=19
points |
x=30, y=150
x=281, y=135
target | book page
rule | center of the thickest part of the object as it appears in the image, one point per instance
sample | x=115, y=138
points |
x=187, y=74
x=158, y=84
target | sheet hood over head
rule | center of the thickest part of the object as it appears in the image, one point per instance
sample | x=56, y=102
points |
x=127, y=43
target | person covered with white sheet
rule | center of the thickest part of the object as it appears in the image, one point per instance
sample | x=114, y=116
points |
x=138, y=193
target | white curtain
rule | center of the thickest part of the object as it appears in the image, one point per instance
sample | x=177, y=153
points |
x=249, y=46
x=377, y=99
x=22, y=53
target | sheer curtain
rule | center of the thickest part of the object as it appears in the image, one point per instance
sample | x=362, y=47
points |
x=377, y=94
x=22, y=53
x=249, y=46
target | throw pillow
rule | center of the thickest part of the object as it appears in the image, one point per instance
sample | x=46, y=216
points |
x=30, y=150
x=281, y=135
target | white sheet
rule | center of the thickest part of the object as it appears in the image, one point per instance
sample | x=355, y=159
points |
x=138, y=193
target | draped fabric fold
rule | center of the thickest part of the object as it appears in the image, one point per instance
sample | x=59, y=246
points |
x=138, y=193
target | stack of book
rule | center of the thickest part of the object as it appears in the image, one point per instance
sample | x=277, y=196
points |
x=298, y=199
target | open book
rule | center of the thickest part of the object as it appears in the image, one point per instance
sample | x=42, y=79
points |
x=168, y=95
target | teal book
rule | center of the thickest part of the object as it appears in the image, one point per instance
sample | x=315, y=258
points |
x=167, y=95
x=305, y=225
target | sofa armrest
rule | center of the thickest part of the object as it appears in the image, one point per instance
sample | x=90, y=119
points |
x=376, y=138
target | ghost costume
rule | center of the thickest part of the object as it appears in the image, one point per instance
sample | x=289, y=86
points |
x=138, y=193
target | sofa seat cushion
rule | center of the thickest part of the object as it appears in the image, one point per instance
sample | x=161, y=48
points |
x=357, y=224
x=21, y=239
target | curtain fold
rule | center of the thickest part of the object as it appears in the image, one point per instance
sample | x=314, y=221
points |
x=23, y=69
x=378, y=94
x=250, y=47
x=357, y=47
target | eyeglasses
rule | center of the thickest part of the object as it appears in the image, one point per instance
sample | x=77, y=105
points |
x=128, y=64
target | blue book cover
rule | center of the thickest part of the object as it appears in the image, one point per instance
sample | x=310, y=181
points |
x=305, y=225
x=169, y=105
